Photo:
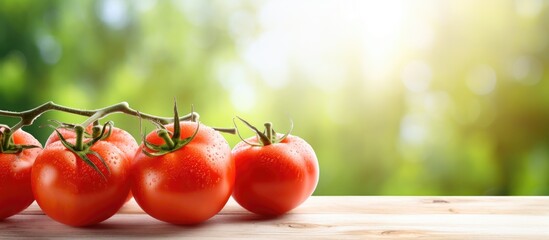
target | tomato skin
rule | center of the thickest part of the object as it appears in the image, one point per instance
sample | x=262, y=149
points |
x=73, y=193
x=189, y=185
x=274, y=179
x=15, y=176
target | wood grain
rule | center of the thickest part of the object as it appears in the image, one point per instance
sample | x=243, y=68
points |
x=349, y=217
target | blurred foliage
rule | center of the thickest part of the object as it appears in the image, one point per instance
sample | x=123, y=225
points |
x=397, y=97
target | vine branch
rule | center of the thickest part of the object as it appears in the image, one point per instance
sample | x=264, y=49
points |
x=28, y=117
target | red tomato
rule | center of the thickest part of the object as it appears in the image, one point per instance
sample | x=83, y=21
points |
x=188, y=185
x=118, y=137
x=72, y=192
x=274, y=179
x=15, y=176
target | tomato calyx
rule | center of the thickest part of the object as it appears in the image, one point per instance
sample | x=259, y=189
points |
x=6, y=142
x=82, y=148
x=265, y=138
x=172, y=141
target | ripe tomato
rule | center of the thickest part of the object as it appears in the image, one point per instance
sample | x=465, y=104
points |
x=188, y=185
x=118, y=137
x=71, y=192
x=15, y=176
x=274, y=179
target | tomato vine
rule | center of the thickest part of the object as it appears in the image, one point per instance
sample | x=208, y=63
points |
x=28, y=117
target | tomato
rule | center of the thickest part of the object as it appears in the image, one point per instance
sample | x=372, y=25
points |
x=70, y=191
x=15, y=175
x=274, y=179
x=118, y=137
x=188, y=185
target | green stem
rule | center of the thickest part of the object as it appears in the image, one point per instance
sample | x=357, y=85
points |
x=6, y=134
x=103, y=112
x=28, y=117
x=269, y=132
x=225, y=130
x=79, y=146
x=167, y=139
x=267, y=137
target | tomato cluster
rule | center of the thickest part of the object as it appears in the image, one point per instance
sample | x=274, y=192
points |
x=181, y=173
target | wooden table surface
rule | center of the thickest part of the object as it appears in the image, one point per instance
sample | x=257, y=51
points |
x=355, y=217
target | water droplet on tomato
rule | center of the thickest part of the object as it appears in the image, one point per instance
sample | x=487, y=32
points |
x=151, y=179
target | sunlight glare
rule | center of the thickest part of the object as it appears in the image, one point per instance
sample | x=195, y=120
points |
x=381, y=27
x=322, y=41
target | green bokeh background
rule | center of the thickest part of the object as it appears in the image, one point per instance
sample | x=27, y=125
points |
x=396, y=97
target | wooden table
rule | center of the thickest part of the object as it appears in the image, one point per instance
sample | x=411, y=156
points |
x=323, y=218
